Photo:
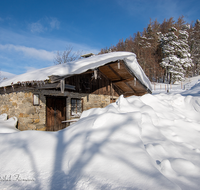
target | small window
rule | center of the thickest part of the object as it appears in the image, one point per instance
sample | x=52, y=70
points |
x=113, y=100
x=76, y=107
x=36, y=99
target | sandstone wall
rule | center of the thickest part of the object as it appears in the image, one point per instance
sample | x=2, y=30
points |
x=20, y=105
x=30, y=117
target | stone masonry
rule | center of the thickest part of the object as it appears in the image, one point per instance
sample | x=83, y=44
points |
x=30, y=117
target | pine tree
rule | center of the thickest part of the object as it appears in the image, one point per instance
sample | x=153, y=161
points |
x=183, y=50
x=176, y=57
x=161, y=52
x=195, y=47
x=170, y=61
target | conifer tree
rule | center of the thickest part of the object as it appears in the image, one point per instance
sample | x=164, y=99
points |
x=161, y=52
x=195, y=46
x=176, y=57
x=183, y=50
x=170, y=61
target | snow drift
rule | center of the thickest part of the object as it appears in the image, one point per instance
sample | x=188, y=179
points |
x=148, y=142
x=8, y=126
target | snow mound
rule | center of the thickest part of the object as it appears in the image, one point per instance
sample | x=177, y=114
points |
x=148, y=142
x=193, y=91
x=3, y=117
x=8, y=126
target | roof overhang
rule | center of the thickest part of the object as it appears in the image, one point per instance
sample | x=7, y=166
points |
x=128, y=75
x=122, y=77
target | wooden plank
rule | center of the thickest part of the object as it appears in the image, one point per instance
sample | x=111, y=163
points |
x=125, y=80
x=71, y=120
x=49, y=114
x=120, y=78
x=49, y=86
x=55, y=113
x=145, y=88
x=123, y=86
x=108, y=73
x=55, y=78
x=130, y=87
x=122, y=71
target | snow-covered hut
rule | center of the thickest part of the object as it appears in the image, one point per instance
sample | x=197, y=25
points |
x=43, y=98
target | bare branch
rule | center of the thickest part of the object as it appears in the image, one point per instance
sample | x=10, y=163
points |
x=67, y=56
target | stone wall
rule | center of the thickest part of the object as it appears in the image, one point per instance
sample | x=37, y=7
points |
x=20, y=105
x=30, y=117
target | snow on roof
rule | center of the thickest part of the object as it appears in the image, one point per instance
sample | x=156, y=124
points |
x=80, y=66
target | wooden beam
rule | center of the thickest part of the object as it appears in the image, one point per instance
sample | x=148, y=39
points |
x=117, y=74
x=49, y=86
x=125, y=80
x=55, y=78
x=129, y=92
x=120, y=90
x=130, y=87
x=56, y=85
x=145, y=87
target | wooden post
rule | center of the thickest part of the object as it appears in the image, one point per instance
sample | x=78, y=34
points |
x=111, y=91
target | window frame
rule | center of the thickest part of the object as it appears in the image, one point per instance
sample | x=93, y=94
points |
x=76, y=106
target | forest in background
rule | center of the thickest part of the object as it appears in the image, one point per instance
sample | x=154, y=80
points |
x=167, y=52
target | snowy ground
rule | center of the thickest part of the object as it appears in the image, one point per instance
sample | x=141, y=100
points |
x=148, y=142
x=176, y=88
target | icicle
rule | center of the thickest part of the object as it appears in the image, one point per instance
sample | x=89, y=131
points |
x=13, y=87
x=118, y=64
x=4, y=89
x=134, y=81
x=95, y=74
x=62, y=85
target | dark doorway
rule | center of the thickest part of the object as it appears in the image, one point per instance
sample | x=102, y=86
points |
x=55, y=113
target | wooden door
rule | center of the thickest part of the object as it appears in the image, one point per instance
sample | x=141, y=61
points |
x=55, y=113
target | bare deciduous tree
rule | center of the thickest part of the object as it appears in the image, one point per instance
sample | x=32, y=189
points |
x=67, y=56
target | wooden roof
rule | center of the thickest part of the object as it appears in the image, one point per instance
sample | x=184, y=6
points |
x=123, y=78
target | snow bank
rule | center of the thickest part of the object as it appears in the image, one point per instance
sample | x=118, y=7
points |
x=3, y=117
x=81, y=66
x=148, y=142
x=193, y=91
x=8, y=126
